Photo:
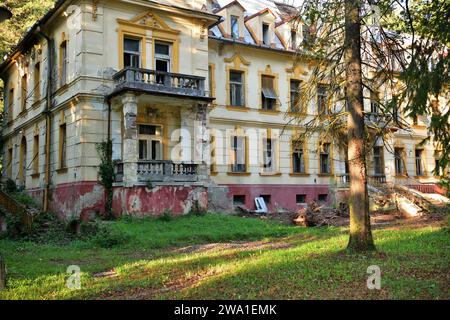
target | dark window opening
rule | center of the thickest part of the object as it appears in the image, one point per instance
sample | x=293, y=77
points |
x=265, y=31
x=323, y=198
x=266, y=198
x=239, y=200
x=325, y=167
x=298, y=158
x=234, y=27
x=300, y=198
x=132, y=53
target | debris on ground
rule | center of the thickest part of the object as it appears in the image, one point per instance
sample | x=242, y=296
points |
x=314, y=215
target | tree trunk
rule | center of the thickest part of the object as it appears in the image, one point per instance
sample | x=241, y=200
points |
x=360, y=233
x=2, y=274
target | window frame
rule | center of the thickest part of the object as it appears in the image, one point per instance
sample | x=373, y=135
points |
x=234, y=84
x=63, y=62
x=296, y=146
x=132, y=53
x=235, y=34
x=23, y=92
x=293, y=108
x=380, y=158
x=234, y=154
x=268, y=94
x=322, y=96
x=62, y=146
x=150, y=138
x=328, y=153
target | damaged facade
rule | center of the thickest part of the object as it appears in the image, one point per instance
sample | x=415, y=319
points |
x=195, y=96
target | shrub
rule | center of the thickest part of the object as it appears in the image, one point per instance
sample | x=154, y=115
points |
x=197, y=209
x=166, y=216
x=106, y=237
x=10, y=186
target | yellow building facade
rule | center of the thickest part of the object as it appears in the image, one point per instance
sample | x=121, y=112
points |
x=198, y=99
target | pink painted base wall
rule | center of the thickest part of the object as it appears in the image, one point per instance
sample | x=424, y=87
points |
x=143, y=201
x=281, y=196
x=85, y=200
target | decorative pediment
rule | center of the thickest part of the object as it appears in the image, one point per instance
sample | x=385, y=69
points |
x=237, y=59
x=149, y=20
x=297, y=71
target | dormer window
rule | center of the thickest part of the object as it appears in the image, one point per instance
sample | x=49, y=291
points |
x=234, y=27
x=265, y=34
x=293, y=40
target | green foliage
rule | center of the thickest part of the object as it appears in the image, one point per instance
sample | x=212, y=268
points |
x=106, y=237
x=166, y=216
x=285, y=263
x=197, y=209
x=10, y=186
x=106, y=174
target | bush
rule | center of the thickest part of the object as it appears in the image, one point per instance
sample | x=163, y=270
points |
x=197, y=209
x=166, y=216
x=10, y=186
x=105, y=237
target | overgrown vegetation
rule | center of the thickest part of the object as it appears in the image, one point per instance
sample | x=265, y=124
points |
x=106, y=174
x=218, y=256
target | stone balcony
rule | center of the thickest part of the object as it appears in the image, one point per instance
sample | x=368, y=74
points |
x=162, y=171
x=161, y=83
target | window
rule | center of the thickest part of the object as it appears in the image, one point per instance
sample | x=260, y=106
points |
x=378, y=161
x=322, y=100
x=298, y=157
x=268, y=155
x=300, y=198
x=150, y=142
x=323, y=198
x=268, y=94
x=374, y=103
x=36, y=154
x=211, y=80
x=212, y=144
x=295, y=95
x=234, y=27
x=162, y=56
x=306, y=33
x=266, y=198
x=10, y=161
x=23, y=161
x=325, y=167
x=293, y=40
x=11, y=104
x=24, y=88
x=239, y=200
x=131, y=53
x=64, y=62
x=238, y=154
x=399, y=164
x=265, y=34
x=37, y=82
x=419, y=162
x=437, y=168
x=62, y=146
x=237, y=89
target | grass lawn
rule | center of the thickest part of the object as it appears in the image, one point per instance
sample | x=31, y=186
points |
x=227, y=257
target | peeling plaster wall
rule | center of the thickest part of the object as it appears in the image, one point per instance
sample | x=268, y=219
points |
x=141, y=201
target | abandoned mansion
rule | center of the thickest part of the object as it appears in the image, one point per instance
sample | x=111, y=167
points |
x=197, y=97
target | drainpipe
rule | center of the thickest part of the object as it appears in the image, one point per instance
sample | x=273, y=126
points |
x=47, y=114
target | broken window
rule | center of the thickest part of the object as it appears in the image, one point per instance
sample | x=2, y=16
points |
x=265, y=34
x=325, y=166
x=238, y=154
x=378, y=161
x=399, y=162
x=298, y=157
x=268, y=95
x=150, y=142
x=268, y=155
x=419, y=162
x=132, y=53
